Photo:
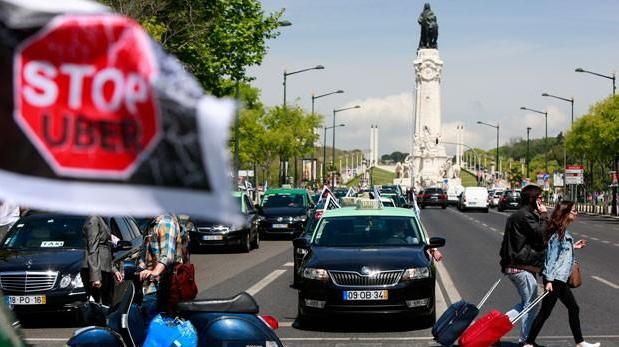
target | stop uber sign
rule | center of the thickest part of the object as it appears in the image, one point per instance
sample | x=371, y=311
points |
x=84, y=96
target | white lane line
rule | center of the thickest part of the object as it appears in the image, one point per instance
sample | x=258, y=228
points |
x=289, y=264
x=287, y=324
x=606, y=282
x=617, y=244
x=35, y=339
x=484, y=224
x=494, y=229
x=595, y=239
x=264, y=282
x=441, y=304
x=452, y=292
x=585, y=235
x=606, y=242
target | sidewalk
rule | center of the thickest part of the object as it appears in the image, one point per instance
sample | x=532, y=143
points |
x=595, y=210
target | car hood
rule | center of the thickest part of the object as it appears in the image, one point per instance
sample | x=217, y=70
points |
x=283, y=211
x=66, y=261
x=380, y=258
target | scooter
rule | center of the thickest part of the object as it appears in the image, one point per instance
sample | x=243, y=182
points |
x=218, y=322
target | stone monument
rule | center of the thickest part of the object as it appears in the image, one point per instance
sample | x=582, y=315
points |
x=429, y=162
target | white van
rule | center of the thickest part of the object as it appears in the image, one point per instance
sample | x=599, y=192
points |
x=453, y=191
x=474, y=198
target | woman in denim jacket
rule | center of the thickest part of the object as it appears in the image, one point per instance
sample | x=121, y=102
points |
x=557, y=269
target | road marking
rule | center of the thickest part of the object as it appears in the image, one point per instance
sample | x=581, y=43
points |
x=595, y=239
x=617, y=244
x=35, y=339
x=285, y=324
x=606, y=242
x=484, y=224
x=494, y=229
x=264, y=282
x=452, y=292
x=289, y=264
x=608, y=283
x=441, y=304
x=420, y=338
x=585, y=235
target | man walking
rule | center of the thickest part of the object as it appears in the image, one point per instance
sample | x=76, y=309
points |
x=523, y=250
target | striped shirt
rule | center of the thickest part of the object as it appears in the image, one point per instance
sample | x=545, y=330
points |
x=160, y=246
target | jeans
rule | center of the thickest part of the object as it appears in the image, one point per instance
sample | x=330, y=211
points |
x=150, y=307
x=526, y=285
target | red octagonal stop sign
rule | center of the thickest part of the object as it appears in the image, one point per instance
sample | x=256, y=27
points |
x=84, y=96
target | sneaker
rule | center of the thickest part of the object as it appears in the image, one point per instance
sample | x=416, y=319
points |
x=587, y=344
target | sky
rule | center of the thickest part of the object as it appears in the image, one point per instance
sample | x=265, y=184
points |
x=498, y=56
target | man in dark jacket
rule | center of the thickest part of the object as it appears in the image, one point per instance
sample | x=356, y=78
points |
x=523, y=250
x=97, y=271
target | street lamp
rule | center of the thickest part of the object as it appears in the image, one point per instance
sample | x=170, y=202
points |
x=237, y=123
x=333, y=143
x=545, y=113
x=610, y=77
x=613, y=78
x=314, y=97
x=497, y=143
x=324, y=147
x=528, y=171
x=286, y=74
x=570, y=100
x=477, y=158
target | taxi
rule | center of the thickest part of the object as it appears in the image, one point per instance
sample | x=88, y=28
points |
x=367, y=260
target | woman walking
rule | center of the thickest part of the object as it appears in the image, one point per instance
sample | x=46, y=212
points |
x=557, y=269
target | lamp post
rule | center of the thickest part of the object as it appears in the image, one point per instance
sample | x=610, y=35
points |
x=286, y=74
x=610, y=77
x=333, y=143
x=314, y=97
x=545, y=113
x=571, y=101
x=324, y=147
x=616, y=164
x=497, y=143
x=528, y=160
x=476, y=158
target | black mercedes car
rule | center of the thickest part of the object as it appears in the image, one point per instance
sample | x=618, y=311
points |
x=285, y=212
x=367, y=261
x=41, y=257
x=243, y=235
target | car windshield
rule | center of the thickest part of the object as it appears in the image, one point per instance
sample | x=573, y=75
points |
x=367, y=231
x=283, y=200
x=46, y=233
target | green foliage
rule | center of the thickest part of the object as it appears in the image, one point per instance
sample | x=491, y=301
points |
x=396, y=157
x=217, y=40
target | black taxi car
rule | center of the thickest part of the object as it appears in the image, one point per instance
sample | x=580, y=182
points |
x=367, y=260
x=41, y=258
x=284, y=212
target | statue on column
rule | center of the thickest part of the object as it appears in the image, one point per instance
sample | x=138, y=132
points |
x=429, y=28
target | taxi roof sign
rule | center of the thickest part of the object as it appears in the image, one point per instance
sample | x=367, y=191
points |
x=348, y=201
x=367, y=204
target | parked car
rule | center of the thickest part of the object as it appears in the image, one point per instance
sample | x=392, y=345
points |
x=42, y=256
x=339, y=276
x=285, y=212
x=433, y=197
x=474, y=198
x=244, y=236
x=510, y=200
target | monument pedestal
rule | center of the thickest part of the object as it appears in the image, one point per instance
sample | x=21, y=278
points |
x=429, y=158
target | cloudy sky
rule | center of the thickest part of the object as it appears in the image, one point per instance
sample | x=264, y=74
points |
x=498, y=56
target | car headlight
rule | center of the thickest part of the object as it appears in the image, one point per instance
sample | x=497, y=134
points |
x=316, y=274
x=416, y=273
x=77, y=282
x=302, y=218
x=65, y=281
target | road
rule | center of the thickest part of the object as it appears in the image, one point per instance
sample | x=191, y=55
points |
x=469, y=268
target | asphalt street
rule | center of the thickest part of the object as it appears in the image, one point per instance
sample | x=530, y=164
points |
x=469, y=268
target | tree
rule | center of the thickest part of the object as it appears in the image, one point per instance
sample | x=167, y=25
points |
x=216, y=40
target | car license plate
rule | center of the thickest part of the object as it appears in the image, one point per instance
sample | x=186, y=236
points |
x=280, y=226
x=26, y=300
x=212, y=237
x=349, y=295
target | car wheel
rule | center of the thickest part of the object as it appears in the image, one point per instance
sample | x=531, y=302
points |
x=423, y=206
x=245, y=243
x=486, y=210
x=444, y=207
x=500, y=209
x=256, y=243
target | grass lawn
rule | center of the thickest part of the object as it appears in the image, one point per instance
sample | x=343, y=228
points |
x=468, y=179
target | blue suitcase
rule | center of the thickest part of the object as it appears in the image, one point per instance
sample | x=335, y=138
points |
x=457, y=318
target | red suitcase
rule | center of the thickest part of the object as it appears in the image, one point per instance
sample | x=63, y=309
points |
x=490, y=328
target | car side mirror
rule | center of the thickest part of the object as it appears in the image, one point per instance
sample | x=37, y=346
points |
x=301, y=242
x=436, y=242
x=123, y=245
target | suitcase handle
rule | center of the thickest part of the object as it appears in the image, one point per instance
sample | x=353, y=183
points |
x=529, y=307
x=483, y=300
